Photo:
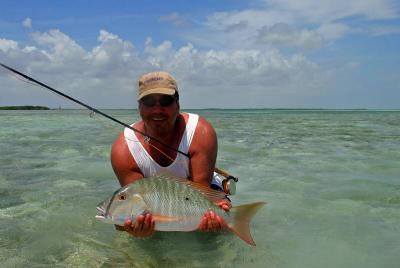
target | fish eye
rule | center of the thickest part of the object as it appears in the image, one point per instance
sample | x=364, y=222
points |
x=122, y=196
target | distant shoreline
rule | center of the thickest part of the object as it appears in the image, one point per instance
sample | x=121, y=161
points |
x=25, y=107
x=31, y=107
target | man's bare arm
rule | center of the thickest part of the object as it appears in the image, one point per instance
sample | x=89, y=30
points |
x=125, y=167
x=203, y=152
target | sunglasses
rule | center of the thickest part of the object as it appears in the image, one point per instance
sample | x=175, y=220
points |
x=164, y=101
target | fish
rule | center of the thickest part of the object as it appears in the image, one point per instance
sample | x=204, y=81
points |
x=176, y=204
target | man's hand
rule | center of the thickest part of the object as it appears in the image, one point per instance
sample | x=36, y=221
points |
x=142, y=227
x=224, y=204
x=211, y=222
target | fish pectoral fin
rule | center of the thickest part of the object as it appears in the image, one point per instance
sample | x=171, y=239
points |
x=139, y=207
x=139, y=202
x=164, y=218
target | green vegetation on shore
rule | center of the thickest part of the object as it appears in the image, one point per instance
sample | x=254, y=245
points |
x=26, y=107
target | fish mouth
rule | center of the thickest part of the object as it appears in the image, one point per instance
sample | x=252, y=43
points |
x=101, y=212
x=102, y=209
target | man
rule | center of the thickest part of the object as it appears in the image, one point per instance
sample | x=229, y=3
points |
x=134, y=157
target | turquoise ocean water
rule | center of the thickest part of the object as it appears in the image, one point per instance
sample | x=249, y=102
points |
x=331, y=180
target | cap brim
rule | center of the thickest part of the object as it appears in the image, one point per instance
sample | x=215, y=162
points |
x=165, y=91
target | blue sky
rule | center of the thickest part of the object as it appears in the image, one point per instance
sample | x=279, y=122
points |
x=227, y=54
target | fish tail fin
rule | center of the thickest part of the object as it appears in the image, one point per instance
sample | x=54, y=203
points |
x=241, y=218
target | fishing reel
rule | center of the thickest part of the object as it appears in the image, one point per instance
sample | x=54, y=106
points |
x=228, y=183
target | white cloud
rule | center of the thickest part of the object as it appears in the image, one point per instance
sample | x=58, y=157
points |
x=241, y=25
x=243, y=58
x=332, y=10
x=59, y=45
x=333, y=31
x=111, y=51
x=175, y=19
x=281, y=35
x=106, y=74
x=301, y=24
x=284, y=34
x=6, y=45
x=158, y=56
x=105, y=36
x=254, y=18
x=249, y=78
x=27, y=23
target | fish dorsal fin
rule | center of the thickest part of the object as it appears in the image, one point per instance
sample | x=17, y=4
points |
x=209, y=193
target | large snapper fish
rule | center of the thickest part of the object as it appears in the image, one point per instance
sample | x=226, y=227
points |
x=176, y=205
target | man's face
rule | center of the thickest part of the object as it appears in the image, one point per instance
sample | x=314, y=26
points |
x=159, y=112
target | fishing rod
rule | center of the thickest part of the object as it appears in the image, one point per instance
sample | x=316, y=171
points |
x=146, y=137
x=227, y=183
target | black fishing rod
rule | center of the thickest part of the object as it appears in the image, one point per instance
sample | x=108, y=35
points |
x=147, y=137
x=229, y=187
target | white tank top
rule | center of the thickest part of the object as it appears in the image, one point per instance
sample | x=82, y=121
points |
x=149, y=167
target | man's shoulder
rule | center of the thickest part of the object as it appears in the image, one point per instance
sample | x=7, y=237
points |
x=119, y=143
x=121, y=157
x=203, y=123
x=205, y=135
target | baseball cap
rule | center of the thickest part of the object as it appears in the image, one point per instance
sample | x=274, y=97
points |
x=157, y=83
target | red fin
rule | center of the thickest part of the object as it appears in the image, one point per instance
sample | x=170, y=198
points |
x=242, y=216
x=164, y=218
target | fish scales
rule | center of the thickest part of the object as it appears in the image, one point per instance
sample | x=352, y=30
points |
x=176, y=205
x=184, y=205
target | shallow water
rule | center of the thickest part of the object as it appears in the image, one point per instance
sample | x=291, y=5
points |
x=331, y=180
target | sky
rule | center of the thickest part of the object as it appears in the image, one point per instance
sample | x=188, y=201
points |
x=333, y=54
